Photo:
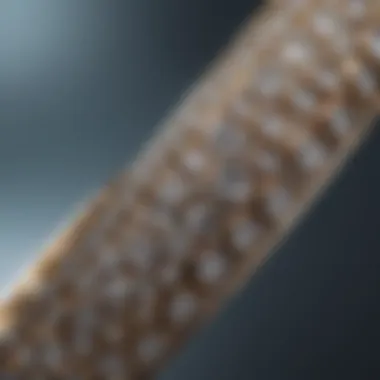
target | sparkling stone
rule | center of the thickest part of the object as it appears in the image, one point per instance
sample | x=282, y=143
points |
x=324, y=24
x=183, y=307
x=162, y=218
x=244, y=108
x=304, y=100
x=270, y=83
x=312, y=155
x=375, y=45
x=356, y=9
x=197, y=218
x=340, y=122
x=328, y=79
x=366, y=82
x=235, y=183
x=229, y=140
x=333, y=30
x=194, y=161
x=172, y=191
x=272, y=127
x=244, y=234
x=296, y=52
x=120, y=288
x=141, y=252
x=278, y=201
x=211, y=267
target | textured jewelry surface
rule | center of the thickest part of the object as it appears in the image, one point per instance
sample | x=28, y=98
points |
x=220, y=185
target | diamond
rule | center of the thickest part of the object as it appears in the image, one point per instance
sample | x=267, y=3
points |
x=183, y=307
x=328, y=79
x=172, y=190
x=311, y=155
x=278, y=201
x=119, y=288
x=270, y=83
x=356, y=9
x=211, y=267
x=296, y=52
x=272, y=127
x=197, y=218
x=243, y=234
x=366, y=82
x=304, y=100
x=340, y=122
x=324, y=24
x=375, y=45
x=235, y=183
x=194, y=161
x=229, y=140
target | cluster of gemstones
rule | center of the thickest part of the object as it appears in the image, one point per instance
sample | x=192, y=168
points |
x=200, y=208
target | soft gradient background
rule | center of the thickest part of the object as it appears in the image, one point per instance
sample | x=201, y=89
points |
x=82, y=84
